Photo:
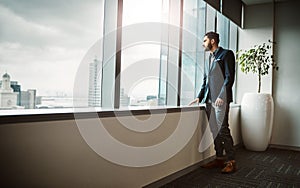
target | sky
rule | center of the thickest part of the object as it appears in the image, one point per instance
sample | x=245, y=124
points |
x=43, y=42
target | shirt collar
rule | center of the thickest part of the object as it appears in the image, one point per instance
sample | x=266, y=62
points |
x=216, y=51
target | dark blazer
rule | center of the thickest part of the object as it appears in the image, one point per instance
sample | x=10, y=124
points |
x=218, y=79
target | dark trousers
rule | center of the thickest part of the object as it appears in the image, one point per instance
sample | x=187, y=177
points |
x=218, y=123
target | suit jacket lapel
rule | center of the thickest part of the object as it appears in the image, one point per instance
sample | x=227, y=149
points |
x=216, y=58
x=218, y=54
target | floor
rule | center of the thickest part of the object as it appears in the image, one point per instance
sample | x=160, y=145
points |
x=268, y=169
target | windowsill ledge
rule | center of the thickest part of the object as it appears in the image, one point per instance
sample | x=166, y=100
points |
x=37, y=115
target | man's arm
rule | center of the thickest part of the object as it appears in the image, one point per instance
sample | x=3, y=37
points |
x=202, y=91
x=229, y=73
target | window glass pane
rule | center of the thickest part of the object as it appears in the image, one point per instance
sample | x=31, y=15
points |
x=192, y=50
x=189, y=46
x=233, y=31
x=42, y=44
x=202, y=16
x=210, y=18
x=173, y=53
x=233, y=46
x=223, y=30
x=141, y=52
x=210, y=26
x=164, y=51
x=109, y=54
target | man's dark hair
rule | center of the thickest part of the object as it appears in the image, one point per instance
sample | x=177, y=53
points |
x=213, y=35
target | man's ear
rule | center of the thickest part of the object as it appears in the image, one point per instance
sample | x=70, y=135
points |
x=213, y=41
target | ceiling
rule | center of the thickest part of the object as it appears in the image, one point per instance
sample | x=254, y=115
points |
x=254, y=2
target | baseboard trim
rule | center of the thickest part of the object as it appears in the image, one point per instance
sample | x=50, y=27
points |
x=294, y=148
x=177, y=174
x=182, y=172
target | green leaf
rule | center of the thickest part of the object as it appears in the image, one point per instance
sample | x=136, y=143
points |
x=256, y=59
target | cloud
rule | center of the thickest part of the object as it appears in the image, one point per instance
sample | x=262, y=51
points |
x=41, y=24
x=42, y=42
x=17, y=29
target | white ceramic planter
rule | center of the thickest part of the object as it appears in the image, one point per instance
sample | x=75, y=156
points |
x=257, y=111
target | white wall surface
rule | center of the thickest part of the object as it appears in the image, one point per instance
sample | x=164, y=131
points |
x=286, y=88
x=54, y=153
x=258, y=29
x=287, y=78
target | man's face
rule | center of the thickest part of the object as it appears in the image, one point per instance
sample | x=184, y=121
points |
x=207, y=43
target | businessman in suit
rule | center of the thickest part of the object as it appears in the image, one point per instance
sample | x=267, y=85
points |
x=216, y=93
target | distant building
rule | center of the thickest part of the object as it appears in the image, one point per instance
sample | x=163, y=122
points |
x=17, y=88
x=94, y=97
x=124, y=99
x=150, y=97
x=152, y=100
x=28, y=99
x=8, y=98
x=38, y=100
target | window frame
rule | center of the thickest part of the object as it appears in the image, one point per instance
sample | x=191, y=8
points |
x=71, y=115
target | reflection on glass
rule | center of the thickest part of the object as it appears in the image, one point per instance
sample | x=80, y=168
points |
x=141, y=63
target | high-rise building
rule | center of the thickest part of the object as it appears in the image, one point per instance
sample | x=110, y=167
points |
x=8, y=98
x=94, y=97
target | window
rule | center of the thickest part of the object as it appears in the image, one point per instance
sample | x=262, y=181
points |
x=149, y=54
x=42, y=44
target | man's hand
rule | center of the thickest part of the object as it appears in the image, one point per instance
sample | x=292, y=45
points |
x=219, y=102
x=194, y=101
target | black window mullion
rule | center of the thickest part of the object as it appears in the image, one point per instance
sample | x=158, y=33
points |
x=180, y=54
x=118, y=55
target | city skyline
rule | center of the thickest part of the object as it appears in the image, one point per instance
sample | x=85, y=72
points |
x=20, y=99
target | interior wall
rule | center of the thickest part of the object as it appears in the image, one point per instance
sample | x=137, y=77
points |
x=286, y=81
x=54, y=154
x=258, y=28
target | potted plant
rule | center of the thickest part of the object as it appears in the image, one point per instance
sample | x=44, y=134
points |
x=257, y=109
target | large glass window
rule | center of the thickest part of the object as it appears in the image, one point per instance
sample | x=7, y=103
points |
x=42, y=44
x=149, y=54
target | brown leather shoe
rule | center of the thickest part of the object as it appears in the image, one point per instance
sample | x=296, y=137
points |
x=217, y=163
x=230, y=167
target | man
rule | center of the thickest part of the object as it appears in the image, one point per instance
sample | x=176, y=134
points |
x=216, y=92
